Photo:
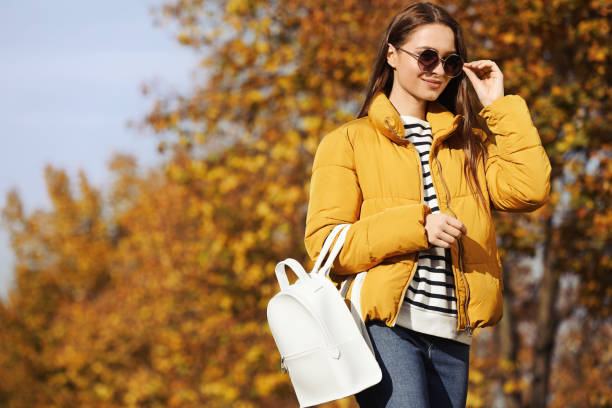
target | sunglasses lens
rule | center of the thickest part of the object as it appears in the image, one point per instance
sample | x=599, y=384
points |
x=453, y=65
x=428, y=60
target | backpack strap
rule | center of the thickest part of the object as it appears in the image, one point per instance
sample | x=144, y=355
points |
x=340, y=230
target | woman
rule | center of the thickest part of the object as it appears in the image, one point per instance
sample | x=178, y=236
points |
x=435, y=147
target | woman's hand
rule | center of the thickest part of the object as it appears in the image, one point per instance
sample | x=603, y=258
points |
x=487, y=80
x=443, y=230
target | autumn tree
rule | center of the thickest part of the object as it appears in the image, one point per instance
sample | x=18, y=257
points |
x=557, y=56
x=300, y=70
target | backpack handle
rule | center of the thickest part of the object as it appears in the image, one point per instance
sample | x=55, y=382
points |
x=281, y=272
x=340, y=229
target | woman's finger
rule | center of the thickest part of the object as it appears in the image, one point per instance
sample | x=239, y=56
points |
x=481, y=62
x=475, y=69
x=480, y=68
x=457, y=225
x=483, y=65
x=449, y=239
x=470, y=74
x=441, y=244
x=452, y=231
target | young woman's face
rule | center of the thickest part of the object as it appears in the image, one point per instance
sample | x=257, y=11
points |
x=408, y=75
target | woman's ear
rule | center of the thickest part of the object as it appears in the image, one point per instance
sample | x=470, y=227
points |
x=391, y=55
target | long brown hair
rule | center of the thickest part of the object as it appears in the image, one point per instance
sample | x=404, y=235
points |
x=458, y=97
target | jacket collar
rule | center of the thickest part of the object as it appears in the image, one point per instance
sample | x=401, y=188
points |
x=387, y=120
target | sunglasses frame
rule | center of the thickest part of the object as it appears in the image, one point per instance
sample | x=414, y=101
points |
x=442, y=60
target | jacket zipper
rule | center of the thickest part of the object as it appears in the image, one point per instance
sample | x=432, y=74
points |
x=460, y=244
x=416, y=264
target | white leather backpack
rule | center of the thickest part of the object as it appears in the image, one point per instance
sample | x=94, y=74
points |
x=324, y=346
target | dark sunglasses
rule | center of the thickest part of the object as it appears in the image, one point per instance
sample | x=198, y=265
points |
x=429, y=59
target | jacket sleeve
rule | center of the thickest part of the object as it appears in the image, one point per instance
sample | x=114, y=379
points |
x=517, y=169
x=335, y=198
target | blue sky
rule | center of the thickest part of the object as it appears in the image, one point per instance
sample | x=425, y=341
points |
x=70, y=78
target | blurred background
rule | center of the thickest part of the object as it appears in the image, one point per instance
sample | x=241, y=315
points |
x=156, y=163
x=71, y=77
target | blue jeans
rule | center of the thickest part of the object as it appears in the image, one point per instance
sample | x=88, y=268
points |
x=419, y=370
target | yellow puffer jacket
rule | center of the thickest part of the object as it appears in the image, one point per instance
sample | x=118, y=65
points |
x=364, y=174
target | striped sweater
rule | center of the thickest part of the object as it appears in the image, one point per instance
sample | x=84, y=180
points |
x=430, y=305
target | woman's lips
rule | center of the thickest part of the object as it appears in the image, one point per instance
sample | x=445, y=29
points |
x=433, y=84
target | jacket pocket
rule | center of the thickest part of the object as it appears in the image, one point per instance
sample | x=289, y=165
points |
x=485, y=307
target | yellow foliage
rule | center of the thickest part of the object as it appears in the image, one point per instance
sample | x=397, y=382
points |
x=476, y=376
x=473, y=401
x=262, y=47
x=311, y=123
x=236, y=6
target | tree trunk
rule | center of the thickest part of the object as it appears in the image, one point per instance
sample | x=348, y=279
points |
x=547, y=321
x=508, y=341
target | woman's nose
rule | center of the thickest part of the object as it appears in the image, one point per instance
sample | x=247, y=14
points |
x=439, y=69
